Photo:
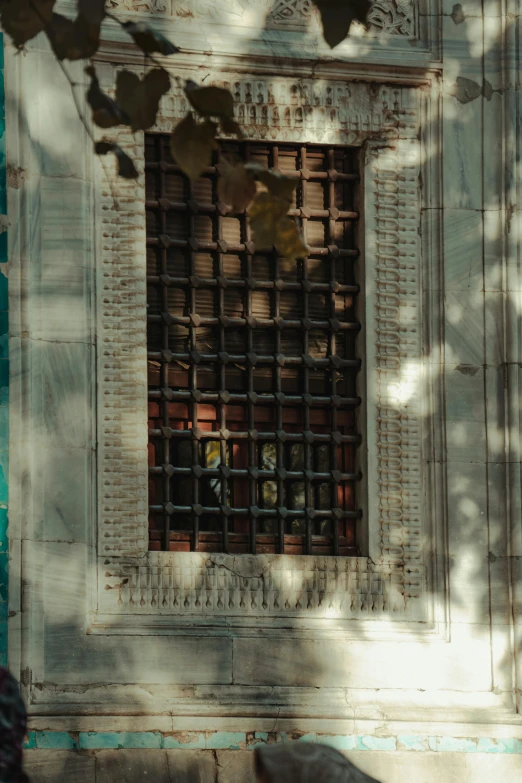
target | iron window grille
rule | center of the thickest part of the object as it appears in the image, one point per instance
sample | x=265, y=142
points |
x=252, y=363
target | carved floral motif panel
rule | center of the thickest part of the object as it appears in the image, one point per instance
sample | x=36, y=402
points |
x=393, y=17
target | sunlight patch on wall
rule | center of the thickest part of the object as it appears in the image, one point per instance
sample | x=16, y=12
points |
x=407, y=387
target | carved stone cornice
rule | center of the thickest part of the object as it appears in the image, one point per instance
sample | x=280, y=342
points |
x=394, y=17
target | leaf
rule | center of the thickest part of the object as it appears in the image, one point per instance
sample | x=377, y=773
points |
x=104, y=147
x=148, y=40
x=191, y=144
x=337, y=17
x=24, y=19
x=279, y=185
x=265, y=213
x=70, y=40
x=466, y=90
x=231, y=128
x=271, y=226
x=126, y=167
x=105, y=112
x=140, y=99
x=92, y=10
x=210, y=101
x=236, y=187
x=289, y=241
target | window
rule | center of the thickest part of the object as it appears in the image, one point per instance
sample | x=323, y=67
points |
x=252, y=361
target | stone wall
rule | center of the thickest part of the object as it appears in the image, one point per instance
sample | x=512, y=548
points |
x=236, y=766
x=406, y=659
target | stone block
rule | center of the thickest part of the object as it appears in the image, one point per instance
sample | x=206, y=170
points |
x=63, y=476
x=466, y=413
x=63, y=412
x=191, y=766
x=496, y=413
x=63, y=299
x=468, y=541
x=493, y=160
x=73, y=657
x=58, y=572
x=59, y=766
x=462, y=250
x=464, y=663
x=495, y=304
x=396, y=767
x=132, y=766
x=483, y=768
x=494, y=223
x=464, y=327
x=62, y=155
x=462, y=131
x=235, y=766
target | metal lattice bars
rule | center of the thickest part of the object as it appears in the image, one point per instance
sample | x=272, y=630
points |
x=252, y=361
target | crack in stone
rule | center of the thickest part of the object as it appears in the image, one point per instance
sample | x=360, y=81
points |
x=236, y=573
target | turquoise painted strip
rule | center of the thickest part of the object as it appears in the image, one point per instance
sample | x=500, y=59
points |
x=226, y=740
x=4, y=378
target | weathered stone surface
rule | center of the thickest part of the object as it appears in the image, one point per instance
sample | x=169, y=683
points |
x=191, y=766
x=482, y=768
x=420, y=767
x=340, y=663
x=235, y=765
x=132, y=766
x=57, y=766
x=200, y=766
x=74, y=288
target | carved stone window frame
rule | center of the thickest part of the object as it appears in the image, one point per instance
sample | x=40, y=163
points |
x=176, y=592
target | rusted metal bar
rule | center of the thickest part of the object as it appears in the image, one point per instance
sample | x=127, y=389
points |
x=252, y=360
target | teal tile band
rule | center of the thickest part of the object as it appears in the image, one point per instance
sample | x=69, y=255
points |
x=226, y=740
x=4, y=375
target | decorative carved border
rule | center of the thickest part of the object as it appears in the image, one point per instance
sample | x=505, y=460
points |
x=385, y=120
x=393, y=17
x=122, y=363
x=393, y=318
x=265, y=585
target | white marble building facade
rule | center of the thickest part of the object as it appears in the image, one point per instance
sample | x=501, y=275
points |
x=407, y=657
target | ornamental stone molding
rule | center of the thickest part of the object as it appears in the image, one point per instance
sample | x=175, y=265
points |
x=384, y=122
x=394, y=17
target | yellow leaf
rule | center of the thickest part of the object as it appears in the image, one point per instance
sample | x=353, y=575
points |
x=265, y=213
x=289, y=241
x=191, y=144
x=271, y=226
x=279, y=185
x=236, y=187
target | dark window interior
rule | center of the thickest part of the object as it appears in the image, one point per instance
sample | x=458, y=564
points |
x=252, y=361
